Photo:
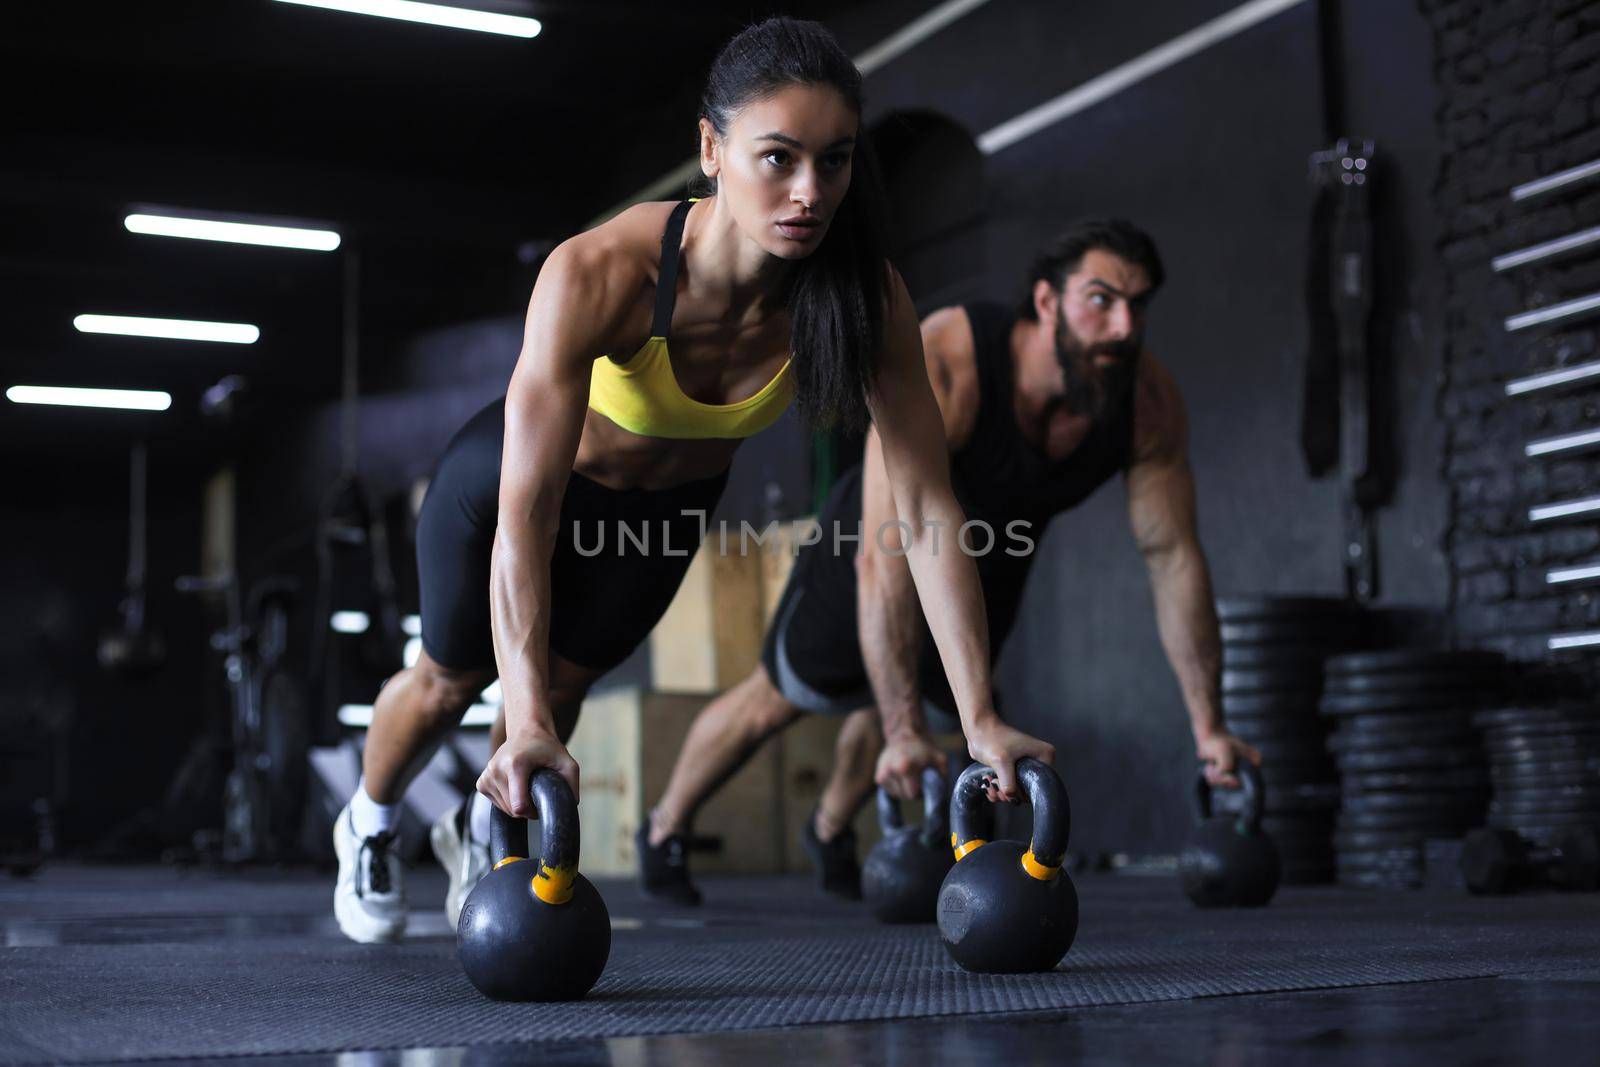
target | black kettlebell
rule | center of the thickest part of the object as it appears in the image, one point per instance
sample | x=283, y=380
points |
x=535, y=930
x=1229, y=861
x=1006, y=908
x=900, y=880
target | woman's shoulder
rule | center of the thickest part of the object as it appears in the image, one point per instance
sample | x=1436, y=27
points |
x=630, y=238
x=614, y=261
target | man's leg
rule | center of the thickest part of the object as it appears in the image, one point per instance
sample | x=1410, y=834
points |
x=828, y=838
x=721, y=739
x=855, y=756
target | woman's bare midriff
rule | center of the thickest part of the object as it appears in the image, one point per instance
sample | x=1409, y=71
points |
x=621, y=459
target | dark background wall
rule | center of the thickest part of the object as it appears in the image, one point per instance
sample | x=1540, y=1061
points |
x=1519, y=86
x=99, y=747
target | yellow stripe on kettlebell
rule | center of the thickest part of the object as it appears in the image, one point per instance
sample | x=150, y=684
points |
x=969, y=847
x=509, y=859
x=1037, y=869
x=552, y=885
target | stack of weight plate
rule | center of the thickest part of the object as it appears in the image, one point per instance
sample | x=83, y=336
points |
x=1272, y=653
x=1411, y=768
x=1545, y=766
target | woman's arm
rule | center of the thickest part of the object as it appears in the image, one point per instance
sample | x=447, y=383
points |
x=581, y=296
x=917, y=470
x=889, y=620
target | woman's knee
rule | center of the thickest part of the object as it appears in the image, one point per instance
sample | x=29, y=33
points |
x=445, y=694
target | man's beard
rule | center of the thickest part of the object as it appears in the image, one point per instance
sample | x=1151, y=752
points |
x=1089, y=389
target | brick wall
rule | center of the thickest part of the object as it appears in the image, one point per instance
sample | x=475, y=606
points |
x=1519, y=91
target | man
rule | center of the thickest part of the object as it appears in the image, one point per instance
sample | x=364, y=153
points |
x=1041, y=406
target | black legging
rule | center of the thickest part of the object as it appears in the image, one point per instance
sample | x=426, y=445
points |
x=603, y=603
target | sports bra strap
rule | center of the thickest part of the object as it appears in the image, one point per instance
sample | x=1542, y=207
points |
x=667, y=279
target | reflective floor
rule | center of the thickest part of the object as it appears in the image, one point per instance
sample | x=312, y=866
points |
x=133, y=961
x=1550, y=1020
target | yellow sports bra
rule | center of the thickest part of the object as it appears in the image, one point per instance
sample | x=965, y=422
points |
x=642, y=395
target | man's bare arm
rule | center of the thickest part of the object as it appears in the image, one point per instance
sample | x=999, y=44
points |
x=1162, y=512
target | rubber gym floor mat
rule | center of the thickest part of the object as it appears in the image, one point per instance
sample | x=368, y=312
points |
x=765, y=954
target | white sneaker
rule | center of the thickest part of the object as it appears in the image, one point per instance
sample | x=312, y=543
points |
x=464, y=859
x=370, y=899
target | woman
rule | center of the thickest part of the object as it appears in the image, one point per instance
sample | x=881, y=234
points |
x=654, y=344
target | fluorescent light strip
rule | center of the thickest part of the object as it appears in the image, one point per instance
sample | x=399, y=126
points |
x=456, y=18
x=914, y=33
x=1533, y=253
x=1564, y=509
x=1552, y=378
x=1555, y=312
x=411, y=625
x=1131, y=73
x=359, y=716
x=350, y=622
x=1579, y=640
x=1569, y=443
x=64, y=396
x=1558, y=180
x=235, y=333
x=240, y=233
x=1564, y=575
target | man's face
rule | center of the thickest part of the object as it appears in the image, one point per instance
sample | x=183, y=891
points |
x=1100, y=331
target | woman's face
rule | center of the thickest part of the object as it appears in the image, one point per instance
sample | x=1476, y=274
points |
x=784, y=166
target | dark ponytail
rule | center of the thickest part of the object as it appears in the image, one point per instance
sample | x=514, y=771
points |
x=835, y=295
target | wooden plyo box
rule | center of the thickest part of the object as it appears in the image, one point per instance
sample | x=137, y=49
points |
x=626, y=743
x=710, y=637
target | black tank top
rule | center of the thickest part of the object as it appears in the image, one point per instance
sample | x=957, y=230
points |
x=1000, y=478
x=997, y=473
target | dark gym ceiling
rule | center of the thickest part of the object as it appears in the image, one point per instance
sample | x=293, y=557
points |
x=436, y=152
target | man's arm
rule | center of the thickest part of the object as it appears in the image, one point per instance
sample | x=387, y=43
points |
x=1161, y=509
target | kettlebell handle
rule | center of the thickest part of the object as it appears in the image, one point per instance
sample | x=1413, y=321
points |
x=558, y=837
x=1255, y=796
x=935, y=821
x=1052, y=815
